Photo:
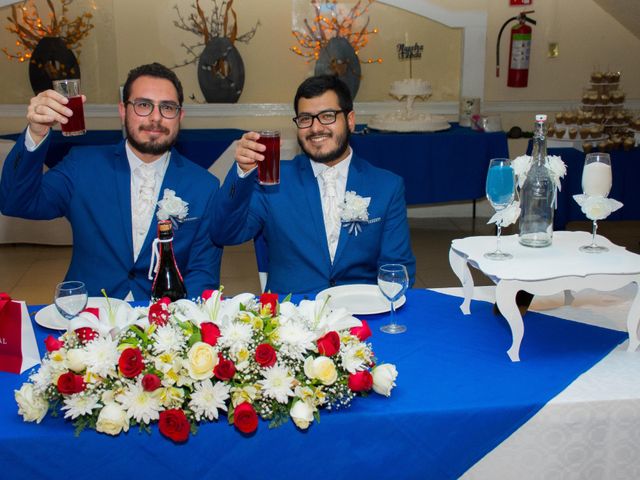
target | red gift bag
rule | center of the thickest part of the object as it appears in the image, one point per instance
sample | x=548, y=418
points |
x=18, y=347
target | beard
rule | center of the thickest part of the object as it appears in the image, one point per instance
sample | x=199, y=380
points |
x=342, y=144
x=152, y=147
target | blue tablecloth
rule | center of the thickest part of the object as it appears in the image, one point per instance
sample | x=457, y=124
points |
x=437, y=167
x=457, y=397
x=202, y=146
x=625, y=167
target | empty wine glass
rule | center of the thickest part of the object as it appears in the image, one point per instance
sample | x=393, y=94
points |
x=71, y=298
x=393, y=281
x=596, y=182
x=500, y=188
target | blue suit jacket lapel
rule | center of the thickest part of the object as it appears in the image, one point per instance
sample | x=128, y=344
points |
x=354, y=183
x=123, y=194
x=312, y=194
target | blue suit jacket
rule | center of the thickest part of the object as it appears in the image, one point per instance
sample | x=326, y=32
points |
x=290, y=218
x=91, y=187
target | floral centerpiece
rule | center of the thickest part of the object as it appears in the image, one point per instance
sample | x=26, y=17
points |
x=188, y=362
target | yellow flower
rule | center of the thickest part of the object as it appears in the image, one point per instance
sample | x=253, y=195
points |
x=321, y=368
x=257, y=323
x=243, y=394
x=201, y=360
x=171, y=396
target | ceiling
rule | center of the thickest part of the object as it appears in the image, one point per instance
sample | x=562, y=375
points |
x=627, y=12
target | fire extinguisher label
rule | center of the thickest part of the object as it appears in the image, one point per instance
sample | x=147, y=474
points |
x=520, y=52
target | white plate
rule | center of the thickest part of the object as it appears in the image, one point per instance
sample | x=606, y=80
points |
x=49, y=317
x=359, y=299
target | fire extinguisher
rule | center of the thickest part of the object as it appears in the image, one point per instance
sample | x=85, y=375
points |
x=519, y=50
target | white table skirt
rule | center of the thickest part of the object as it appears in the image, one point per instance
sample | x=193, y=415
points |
x=591, y=430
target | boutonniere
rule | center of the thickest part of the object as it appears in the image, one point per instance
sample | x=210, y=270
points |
x=172, y=207
x=353, y=212
x=522, y=164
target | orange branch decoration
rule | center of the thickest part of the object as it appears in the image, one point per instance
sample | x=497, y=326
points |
x=317, y=33
x=27, y=24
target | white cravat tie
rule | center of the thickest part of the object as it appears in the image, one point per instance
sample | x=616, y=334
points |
x=143, y=206
x=330, y=210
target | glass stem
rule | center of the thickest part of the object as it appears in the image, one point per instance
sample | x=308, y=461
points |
x=593, y=235
x=393, y=313
x=498, y=238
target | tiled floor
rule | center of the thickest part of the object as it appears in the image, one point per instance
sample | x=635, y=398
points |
x=30, y=273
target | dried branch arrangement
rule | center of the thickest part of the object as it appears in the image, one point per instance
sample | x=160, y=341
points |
x=318, y=32
x=27, y=24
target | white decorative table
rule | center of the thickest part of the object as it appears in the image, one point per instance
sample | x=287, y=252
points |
x=545, y=271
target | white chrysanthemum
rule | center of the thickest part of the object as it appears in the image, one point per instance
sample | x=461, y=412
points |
x=168, y=339
x=143, y=407
x=295, y=339
x=102, y=356
x=355, y=357
x=354, y=208
x=80, y=404
x=43, y=377
x=235, y=336
x=557, y=167
x=208, y=398
x=277, y=383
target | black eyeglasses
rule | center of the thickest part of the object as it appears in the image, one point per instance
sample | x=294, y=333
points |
x=327, y=117
x=144, y=108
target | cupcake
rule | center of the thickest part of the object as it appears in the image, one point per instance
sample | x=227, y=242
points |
x=594, y=132
x=603, y=146
x=560, y=132
x=587, y=147
x=551, y=131
x=584, y=132
x=604, y=99
x=612, y=77
x=559, y=117
x=596, y=77
x=573, y=132
x=628, y=144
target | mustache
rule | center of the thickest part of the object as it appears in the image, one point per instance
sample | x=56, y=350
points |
x=156, y=127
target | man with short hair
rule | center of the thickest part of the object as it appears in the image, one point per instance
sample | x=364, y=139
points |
x=312, y=244
x=109, y=194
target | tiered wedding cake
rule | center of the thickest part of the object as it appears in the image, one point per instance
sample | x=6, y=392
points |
x=407, y=120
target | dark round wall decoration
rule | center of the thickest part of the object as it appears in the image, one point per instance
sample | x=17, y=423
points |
x=339, y=58
x=221, y=71
x=51, y=60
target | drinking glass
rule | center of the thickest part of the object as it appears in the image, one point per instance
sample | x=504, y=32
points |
x=596, y=182
x=70, y=88
x=269, y=168
x=500, y=188
x=393, y=281
x=71, y=298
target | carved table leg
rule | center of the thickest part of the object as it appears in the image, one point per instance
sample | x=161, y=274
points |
x=506, y=300
x=460, y=267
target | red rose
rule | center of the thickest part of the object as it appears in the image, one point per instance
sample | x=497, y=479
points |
x=360, y=381
x=150, y=382
x=93, y=310
x=329, y=344
x=207, y=294
x=270, y=299
x=224, y=370
x=70, y=383
x=210, y=333
x=265, y=355
x=52, y=344
x=174, y=425
x=131, y=362
x=159, y=313
x=86, y=334
x=245, y=418
x=362, y=332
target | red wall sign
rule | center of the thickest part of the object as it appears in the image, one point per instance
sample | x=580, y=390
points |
x=519, y=3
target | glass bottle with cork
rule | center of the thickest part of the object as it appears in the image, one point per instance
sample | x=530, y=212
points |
x=538, y=194
x=168, y=281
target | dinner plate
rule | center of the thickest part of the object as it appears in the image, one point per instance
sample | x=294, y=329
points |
x=49, y=317
x=359, y=299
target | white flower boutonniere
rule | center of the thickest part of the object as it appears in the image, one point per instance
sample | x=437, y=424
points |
x=172, y=208
x=507, y=216
x=353, y=212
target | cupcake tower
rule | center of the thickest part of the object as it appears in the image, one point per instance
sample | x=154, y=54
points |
x=601, y=122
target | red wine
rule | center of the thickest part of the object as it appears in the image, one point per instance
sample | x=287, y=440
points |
x=168, y=281
x=75, y=125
